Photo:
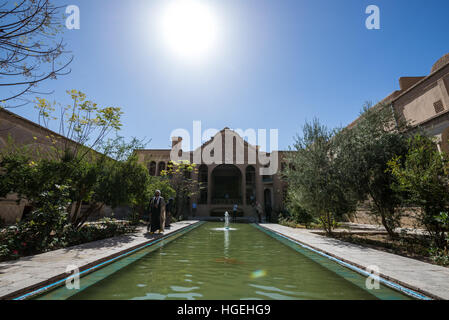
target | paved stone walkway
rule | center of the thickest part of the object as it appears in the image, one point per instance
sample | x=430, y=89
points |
x=429, y=279
x=19, y=276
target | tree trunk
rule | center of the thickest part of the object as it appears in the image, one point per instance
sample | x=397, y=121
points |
x=74, y=217
x=329, y=223
x=383, y=215
x=387, y=226
x=91, y=210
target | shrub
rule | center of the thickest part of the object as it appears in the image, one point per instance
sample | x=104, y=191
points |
x=40, y=234
x=134, y=218
x=423, y=174
x=439, y=256
x=287, y=222
x=296, y=213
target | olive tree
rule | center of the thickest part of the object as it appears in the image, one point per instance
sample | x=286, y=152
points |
x=363, y=153
x=314, y=177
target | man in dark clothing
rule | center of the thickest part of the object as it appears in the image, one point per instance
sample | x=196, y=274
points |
x=157, y=213
x=259, y=211
x=194, y=207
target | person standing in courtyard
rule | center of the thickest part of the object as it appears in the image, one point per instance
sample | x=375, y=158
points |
x=253, y=205
x=234, y=213
x=194, y=206
x=168, y=211
x=157, y=213
x=259, y=212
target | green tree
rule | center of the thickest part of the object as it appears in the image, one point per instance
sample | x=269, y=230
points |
x=111, y=178
x=28, y=177
x=83, y=122
x=314, y=178
x=423, y=173
x=179, y=175
x=86, y=127
x=363, y=153
x=97, y=180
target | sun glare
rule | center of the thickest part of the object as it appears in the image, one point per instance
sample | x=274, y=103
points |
x=188, y=28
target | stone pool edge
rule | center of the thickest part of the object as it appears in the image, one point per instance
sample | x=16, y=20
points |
x=358, y=268
x=54, y=282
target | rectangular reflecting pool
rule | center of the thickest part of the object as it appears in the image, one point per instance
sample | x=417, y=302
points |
x=211, y=263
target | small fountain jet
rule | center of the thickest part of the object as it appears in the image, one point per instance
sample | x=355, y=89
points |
x=226, y=220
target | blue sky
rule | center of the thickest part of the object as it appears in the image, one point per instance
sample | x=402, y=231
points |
x=277, y=64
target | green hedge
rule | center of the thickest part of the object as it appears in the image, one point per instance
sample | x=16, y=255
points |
x=42, y=234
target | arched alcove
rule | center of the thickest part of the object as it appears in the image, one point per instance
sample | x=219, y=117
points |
x=161, y=167
x=152, y=168
x=226, y=185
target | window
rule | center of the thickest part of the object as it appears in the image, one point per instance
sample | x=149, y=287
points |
x=267, y=179
x=152, y=168
x=161, y=168
x=250, y=175
x=438, y=106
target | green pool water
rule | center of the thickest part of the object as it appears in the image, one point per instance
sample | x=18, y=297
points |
x=205, y=263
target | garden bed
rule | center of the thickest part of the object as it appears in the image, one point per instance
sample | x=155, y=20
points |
x=25, y=239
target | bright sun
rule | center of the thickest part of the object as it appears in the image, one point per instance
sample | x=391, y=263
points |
x=188, y=28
